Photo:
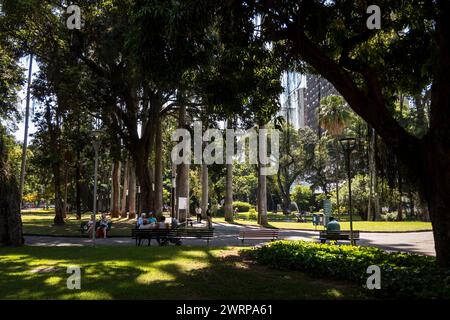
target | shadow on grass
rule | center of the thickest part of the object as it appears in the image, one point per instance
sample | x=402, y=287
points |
x=155, y=273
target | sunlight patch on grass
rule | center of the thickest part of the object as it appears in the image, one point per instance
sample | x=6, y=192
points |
x=112, y=272
x=334, y=293
x=53, y=281
x=380, y=226
x=86, y=295
x=154, y=276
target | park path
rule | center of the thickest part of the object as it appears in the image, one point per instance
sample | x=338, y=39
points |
x=226, y=235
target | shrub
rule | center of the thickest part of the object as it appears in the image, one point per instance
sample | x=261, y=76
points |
x=218, y=211
x=242, y=206
x=389, y=216
x=403, y=275
x=252, y=214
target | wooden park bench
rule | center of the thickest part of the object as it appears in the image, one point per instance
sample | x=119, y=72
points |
x=338, y=235
x=84, y=228
x=171, y=235
x=258, y=234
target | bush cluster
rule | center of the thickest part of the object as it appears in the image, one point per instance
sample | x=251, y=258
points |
x=242, y=206
x=403, y=275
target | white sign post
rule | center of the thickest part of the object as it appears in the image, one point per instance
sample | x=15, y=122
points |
x=182, y=205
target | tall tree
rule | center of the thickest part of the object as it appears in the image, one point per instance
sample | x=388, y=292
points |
x=334, y=116
x=367, y=66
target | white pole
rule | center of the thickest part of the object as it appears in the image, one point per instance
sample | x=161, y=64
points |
x=25, y=136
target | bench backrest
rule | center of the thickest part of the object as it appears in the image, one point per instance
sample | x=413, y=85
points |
x=343, y=233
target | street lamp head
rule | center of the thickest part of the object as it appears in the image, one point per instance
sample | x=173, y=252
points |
x=348, y=144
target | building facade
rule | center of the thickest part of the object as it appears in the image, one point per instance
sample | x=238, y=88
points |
x=292, y=99
x=316, y=89
x=300, y=99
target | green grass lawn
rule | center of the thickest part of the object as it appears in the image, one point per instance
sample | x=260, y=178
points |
x=41, y=223
x=357, y=225
x=155, y=273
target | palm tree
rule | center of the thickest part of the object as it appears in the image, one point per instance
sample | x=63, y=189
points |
x=334, y=116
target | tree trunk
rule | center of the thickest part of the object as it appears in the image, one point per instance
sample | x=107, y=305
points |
x=182, y=179
x=132, y=192
x=59, y=217
x=123, y=207
x=424, y=213
x=400, y=193
x=262, y=198
x=372, y=173
x=10, y=218
x=229, y=194
x=228, y=205
x=142, y=173
x=66, y=172
x=205, y=191
x=262, y=187
x=115, y=210
x=436, y=178
x=158, y=202
x=286, y=200
x=78, y=185
x=412, y=204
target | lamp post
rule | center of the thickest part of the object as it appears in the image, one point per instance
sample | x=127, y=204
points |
x=348, y=145
x=96, y=145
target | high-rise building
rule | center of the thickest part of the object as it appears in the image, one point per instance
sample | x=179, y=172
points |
x=292, y=99
x=301, y=97
x=316, y=89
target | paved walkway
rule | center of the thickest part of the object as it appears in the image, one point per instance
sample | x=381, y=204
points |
x=226, y=235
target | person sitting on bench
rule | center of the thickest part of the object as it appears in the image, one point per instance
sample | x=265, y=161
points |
x=333, y=225
x=173, y=225
x=103, y=227
x=152, y=218
x=140, y=220
x=91, y=227
x=161, y=225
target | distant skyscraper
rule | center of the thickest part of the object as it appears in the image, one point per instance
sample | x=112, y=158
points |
x=292, y=99
x=316, y=89
x=301, y=97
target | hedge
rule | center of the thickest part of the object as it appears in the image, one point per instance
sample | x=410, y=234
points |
x=242, y=206
x=403, y=275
